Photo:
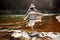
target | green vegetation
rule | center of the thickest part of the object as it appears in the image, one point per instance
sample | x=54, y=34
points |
x=11, y=18
x=13, y=13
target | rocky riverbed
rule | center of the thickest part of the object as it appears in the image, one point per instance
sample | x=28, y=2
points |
x=23, y=35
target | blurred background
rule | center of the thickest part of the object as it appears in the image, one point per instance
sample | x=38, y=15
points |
x=18, y=6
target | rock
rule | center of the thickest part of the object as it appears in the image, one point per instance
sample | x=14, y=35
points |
x=58, y=18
